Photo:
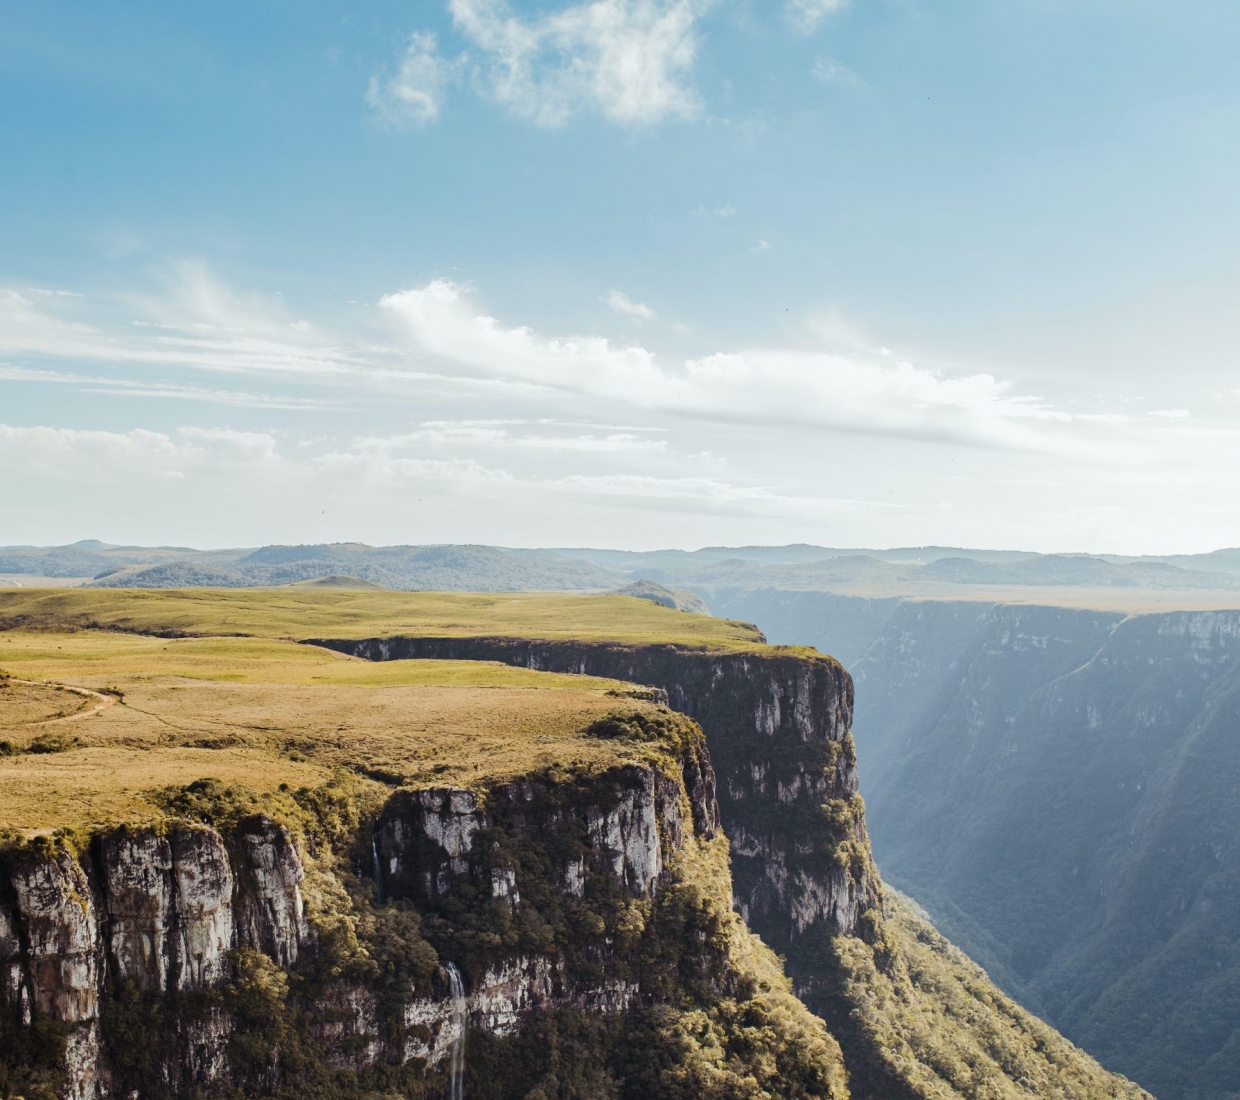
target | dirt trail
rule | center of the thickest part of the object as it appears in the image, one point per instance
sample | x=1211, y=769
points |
x=105, y=701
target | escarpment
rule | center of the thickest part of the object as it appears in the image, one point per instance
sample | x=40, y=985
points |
x=568, y=925
x=418, y=875
x=778, y=725
x=913, y=1017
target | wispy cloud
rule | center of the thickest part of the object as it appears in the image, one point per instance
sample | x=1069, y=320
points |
x=830, y=71
x=622, y=303
x=414, y=93
x=500, y=434
x=628, y=60
x=197, y=322
x=807, y=14
x=249, y=463
x=132, y=387
x=872, y=394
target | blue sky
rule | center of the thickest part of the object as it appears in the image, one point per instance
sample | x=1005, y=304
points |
x=629, y=272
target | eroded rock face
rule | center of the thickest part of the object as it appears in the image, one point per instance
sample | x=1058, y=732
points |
x=273, y=918
x=15, y=1000
x=429, y=839
x=147, y=909
x=203, y=897
x=138, y=890
x=627, y=835
x=62, y=942
x=163, y=914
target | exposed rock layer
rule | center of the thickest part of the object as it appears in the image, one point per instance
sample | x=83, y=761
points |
x=197, y=941
x=778, y=726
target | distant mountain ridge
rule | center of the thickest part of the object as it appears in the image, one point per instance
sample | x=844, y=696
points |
x=913, y=571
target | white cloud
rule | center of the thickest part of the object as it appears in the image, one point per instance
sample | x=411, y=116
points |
x=622, y=303
x=413, y=94
x=627, y=59
x=872, y=394
x=807, y=14
x=132, y=387
x=103, y=457
x=246, y=467
x=197, y=322
x=761, y=246
x=830, y=71
x=536, y=436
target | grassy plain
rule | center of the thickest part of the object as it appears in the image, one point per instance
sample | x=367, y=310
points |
x=262, y=713
x=297, y=612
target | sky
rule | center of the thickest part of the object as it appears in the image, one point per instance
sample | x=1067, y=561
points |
x=622, y=273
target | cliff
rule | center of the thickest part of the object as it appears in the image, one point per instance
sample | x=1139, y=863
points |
x=914, y=1018
x=466, y=848
x=779, y=730
x=576, y=926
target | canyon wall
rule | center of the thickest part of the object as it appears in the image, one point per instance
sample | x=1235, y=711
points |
x=778, y=725
x=1057, y=787
x=329, y=949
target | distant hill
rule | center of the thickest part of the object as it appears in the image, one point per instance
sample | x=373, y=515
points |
x=717, y=574
x=676, y=598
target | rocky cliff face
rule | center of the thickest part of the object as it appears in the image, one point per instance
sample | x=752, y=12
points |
x=778, y=726
x=146, y=911
x=198, y=959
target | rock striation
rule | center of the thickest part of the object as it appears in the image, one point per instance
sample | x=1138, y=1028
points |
x=779, y=728
x=191, y=959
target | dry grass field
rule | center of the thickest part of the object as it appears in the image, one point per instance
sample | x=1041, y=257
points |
x=296, y=612
x=94, y=724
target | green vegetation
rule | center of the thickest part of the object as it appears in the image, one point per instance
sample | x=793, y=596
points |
x=926, y=1022
x=347, y=613
x=724, y=1025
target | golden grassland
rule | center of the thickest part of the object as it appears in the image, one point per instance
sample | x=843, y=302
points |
x=93, y=724
x=296, y=612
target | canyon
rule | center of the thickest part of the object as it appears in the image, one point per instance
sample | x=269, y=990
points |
x=576, y=927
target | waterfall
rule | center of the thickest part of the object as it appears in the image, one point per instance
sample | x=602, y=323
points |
x=377, y=868
x=457, y=989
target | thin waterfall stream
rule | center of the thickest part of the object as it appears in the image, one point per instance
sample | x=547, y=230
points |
x=377, y=869
x=457, y=1066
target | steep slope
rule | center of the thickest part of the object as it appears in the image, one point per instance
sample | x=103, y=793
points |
x=1059, y=788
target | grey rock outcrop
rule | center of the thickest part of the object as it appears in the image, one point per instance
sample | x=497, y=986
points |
x=164, y=913
x=778, y=727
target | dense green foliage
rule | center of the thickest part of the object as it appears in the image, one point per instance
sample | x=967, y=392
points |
x=924, y=1022
x=718, y=1020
